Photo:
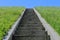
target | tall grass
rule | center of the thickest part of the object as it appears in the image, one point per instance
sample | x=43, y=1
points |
x=51, y=15
x=8, y=15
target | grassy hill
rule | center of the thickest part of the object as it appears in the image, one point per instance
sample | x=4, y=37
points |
x=51, y=15
x=8, y=15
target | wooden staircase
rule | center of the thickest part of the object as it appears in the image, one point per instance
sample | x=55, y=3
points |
x=30, y=28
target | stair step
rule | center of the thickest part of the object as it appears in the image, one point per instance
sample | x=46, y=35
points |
x=31, y=25
x=34, y=20
x=28, y=17
x=28, y=38
x=27, y=22
x=30, y=33
x=30, y=28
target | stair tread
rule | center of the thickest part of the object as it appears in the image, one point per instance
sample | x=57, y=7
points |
x=30, y=28
x=31, y=25
x=29, y=38
x=30, y=33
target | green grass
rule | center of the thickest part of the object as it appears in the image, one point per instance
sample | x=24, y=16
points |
x=51, y=15
x=8, y=15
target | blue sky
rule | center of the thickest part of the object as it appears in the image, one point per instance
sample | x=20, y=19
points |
x=29, y=3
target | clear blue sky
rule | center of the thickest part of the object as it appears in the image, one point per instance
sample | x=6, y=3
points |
x=29, y=3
